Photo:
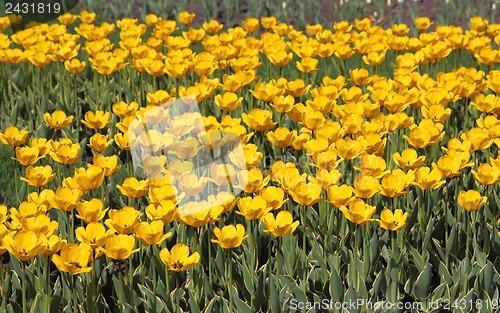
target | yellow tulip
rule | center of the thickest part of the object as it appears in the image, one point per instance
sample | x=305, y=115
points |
x=178, y=258
x=487, y=174
x=64, y=151
x=24, y=245
x=38, y=176
x=471, y=200
x=90, y=178
x=119, y=247
x=228, y=101
x=123, y=221
x=134, y=188
x=90, y=211
x=408, y=159
x=151, y=233
x=57, y=120
x=392, y=221
x=230, y=236
x=253, y=208
x=358, y=212
x=65, y=198
x=27, y=155
x=99, y=142
x=13, y=136
x=94, y=235
x=74, y=259
x=97, y=120
x=274, y=196
x=280, y=225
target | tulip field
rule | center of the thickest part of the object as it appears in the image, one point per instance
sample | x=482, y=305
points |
x=161, y=165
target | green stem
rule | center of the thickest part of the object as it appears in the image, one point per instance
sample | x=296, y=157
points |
x=153, y=268
x=74, y=292
x=47, y=283
x=23, y=287
x=229, y=265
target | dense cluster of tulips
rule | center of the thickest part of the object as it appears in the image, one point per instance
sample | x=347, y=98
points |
x=348, y=155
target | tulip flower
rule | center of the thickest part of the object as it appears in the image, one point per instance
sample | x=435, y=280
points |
x=133, y=188
x=90, y=211
x=394, y=184
x=27, y=155
x=392, y=221
x=99, y=142
x=178, y=258
x=151, y=233
x=24, y=245
x=65, y=198
x=94, y=234
x=166, y=211
x=54, y=244
x=358, y=212
x=306, y=193
x=191, y=184
x=408, y=159
x=57, y=120
x=13, y=136
x=427, y=179
x=283, y=104
x=119, y=247
x=90, y=178
x=471, y=200
x=280, y=225
x=252, y=208
x=123, y=221
x=197, y=214
x=74, y=259
x=258, y=119
x=230, y=236
x=40, y=224
x=97, y=120
x=228, y=102
x=39, y=176
x=366, y=186
x=274, y=196
x=4, y=231
x=64, y=151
